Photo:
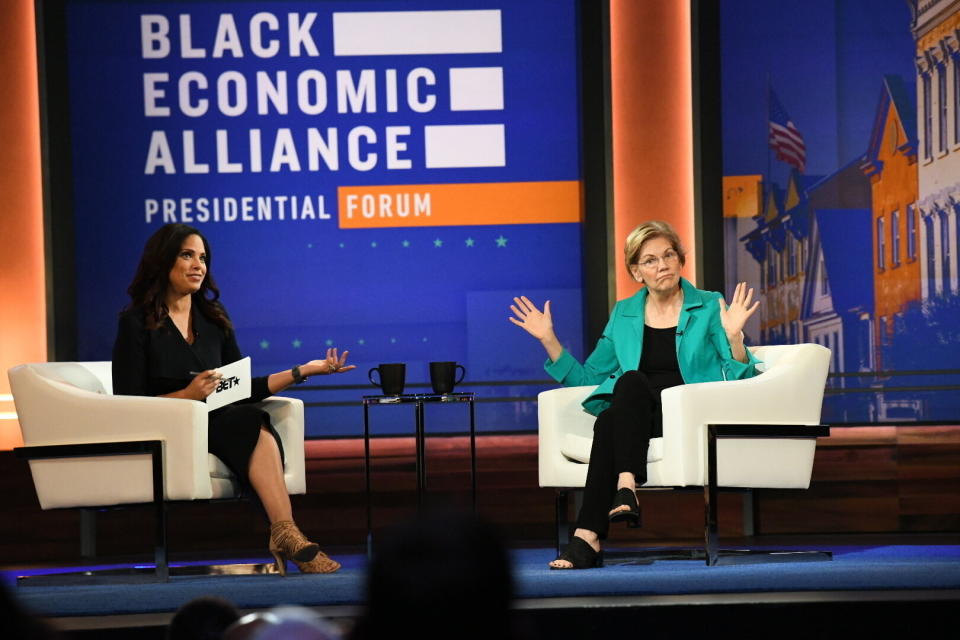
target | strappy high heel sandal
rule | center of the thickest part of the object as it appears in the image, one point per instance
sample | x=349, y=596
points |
x=581, y=555
x=631, y=515
x=288, y=543
x=322, y=563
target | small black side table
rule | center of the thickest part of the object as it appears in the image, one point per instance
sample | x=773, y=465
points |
x=418, y=400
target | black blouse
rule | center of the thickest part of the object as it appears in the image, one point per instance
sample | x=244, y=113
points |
x=658, y=358
x=159, y=361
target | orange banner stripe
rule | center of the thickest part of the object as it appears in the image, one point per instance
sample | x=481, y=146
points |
x=454, y=205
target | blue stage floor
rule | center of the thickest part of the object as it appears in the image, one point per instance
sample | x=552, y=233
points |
x=860, y=568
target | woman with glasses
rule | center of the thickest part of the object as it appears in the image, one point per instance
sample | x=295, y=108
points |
x=668, y=333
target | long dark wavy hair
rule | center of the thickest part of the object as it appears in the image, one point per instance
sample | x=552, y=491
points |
x=149, y=287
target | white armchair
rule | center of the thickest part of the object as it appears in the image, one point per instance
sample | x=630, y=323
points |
x=71, y=403
x=769, y=448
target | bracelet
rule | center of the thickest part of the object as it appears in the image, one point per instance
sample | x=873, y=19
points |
x=298, y=378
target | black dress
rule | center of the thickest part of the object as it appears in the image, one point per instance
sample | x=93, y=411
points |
x=159, y=361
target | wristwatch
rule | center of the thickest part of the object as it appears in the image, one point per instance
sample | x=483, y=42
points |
x=298, y=378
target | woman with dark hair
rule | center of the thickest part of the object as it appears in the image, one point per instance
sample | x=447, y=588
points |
x=668, y=333
x=175, y=326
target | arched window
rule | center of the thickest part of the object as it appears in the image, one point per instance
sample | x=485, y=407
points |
x=927, y=118
x=942, y=107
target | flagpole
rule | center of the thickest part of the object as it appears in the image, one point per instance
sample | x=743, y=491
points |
x=767, y=131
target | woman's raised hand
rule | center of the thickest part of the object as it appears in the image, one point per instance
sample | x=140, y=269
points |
x=536, y=323
x=735, y=316
x=333, y=363
x=532, y=320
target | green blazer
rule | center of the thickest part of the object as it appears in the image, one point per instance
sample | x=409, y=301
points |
x=703, y=350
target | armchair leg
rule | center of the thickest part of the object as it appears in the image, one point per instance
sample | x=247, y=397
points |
x=711, y=490
x=88, y=516
x=562, y=531
x=565, y=528
x=88, y=533
x=160, y=507
x=749, y=513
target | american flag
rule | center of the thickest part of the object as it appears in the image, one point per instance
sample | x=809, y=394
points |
x=785, y=138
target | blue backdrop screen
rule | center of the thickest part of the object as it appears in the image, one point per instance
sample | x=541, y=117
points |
x=379, y=176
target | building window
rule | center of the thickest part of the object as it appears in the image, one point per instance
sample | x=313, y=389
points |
x=824, y=283
x=956, y=98
x=791, y=256
x=931, y=256
x=895, y=238
x=945, y=250
x=836, y=351
x=942, y=106
x=864, y=350
x=927, y=118
x=911, y=232
x=881, y=246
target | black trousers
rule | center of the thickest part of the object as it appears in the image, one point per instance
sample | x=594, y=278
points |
x=621, y=436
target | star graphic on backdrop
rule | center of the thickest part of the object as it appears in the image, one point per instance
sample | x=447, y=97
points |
x=361, y=341
x=296, y=343
x=342, y=245
x=469, y=242
x=393, y=340
x=264, y=344
x=309, y=245
x=424, y=338
x=501, y=241
x=329, y=342
x=374, y=244
x=438, y=242
x=405, y=243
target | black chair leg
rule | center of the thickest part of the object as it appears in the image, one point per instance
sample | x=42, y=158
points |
x=562, y=532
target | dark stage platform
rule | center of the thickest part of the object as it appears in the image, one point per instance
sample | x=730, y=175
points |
x=895, y=576
x=887, y=496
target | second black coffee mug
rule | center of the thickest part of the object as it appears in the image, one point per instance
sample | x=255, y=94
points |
x=392, y=378
x=443, y=376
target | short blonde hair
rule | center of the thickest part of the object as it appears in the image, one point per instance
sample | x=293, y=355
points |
x=646, y=231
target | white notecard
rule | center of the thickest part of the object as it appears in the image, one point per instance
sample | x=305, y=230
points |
x=234, y=384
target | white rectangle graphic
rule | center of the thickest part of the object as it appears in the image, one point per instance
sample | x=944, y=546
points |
x=476, y=88
x=465, y=145
x=392, y=33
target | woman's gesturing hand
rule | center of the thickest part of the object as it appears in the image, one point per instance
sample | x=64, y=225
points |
x=735, y=316
x=537, y=324
x=333, y=363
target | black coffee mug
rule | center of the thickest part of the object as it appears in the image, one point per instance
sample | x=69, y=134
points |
x=392, y=377
x=443, y=376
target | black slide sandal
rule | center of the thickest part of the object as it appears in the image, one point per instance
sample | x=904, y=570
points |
x=626, y=498
x=581, y=555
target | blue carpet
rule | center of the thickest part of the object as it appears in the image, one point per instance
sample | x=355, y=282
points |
x=853, y=568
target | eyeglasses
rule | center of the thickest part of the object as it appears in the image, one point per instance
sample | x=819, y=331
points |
x=653, y=262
